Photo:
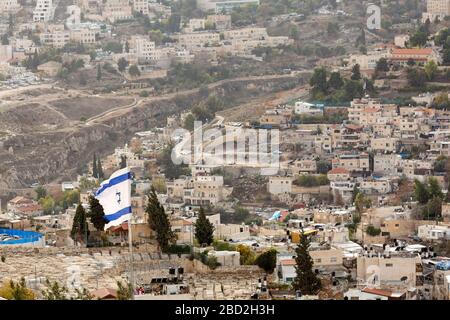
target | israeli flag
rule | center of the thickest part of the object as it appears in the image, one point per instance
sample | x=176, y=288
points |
x=114, y=195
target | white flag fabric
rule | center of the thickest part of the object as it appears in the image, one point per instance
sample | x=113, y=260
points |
x=114, y=195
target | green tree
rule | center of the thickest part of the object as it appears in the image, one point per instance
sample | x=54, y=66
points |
x=361, y=202
x=421, y=193
x=4, y=39
x=133, y=70
x=156, y=36
x=123, y=161
x=69, y=198
x=434, y=189
x=159, y=221
x=416, y=77
x=88, y=184
x=335, y=81
x=382, y=65
x=122, y=64
x=433, y=209
x=189, y=122
x=99, y=72
x=306, y=281
x=171, y=170
x=83, y=294
x=80, y=230
x=94, y=167
x=247, y=255
x=361, y=40
x=431, y=69
x=16, y=291
x=100, y=173
x=204, y=229
x=356, y=72
x=82, y=80
x=332, y=29
x=124, y=291
x=319, y=81
x=54, y=291
x=372, y=231
x=418, y=39
x=267, y=260
x=96, y=214
x=41, y=192
x=48, y=204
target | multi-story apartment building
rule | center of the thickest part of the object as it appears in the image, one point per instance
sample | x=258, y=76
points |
x=301, y=166
x=254, y=33
x=436, y=9
x=143, y=48
x=379, y=186
x=83, y=35
x=141, y=6
x=206, y=190
x=197, y=39
x=9, y=6
x=419, y=56
x=279, y=185
x=384, y=144
x=221, y=6
x=115, y=10
x=220, y=21
x=402, y=268
x=353, y=162
x=55, y=36
x=44, y=11
x=386, y=164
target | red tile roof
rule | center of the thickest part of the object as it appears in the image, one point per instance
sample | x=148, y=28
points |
x=104, y=293
x=379, y=292
x=287, y=262
x=413, y=51
x=338, y=171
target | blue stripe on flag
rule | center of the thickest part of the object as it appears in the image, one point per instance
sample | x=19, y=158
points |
x=118, y=214
x=113, y=182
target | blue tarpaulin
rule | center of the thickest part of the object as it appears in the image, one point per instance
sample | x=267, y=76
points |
x=24, y=236
x=443, y=265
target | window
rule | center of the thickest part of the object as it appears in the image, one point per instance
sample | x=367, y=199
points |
x=333, y=259
x=318, y=260
x=389, y=265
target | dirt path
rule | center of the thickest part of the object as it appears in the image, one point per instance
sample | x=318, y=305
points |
x=123, y=109
x=254, y=109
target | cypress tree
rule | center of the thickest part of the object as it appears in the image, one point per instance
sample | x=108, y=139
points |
x=123, y=162
x=96, y=214
x=99, y=72
x=100, y=169
x=80, y=231
x=94, y=167
x=159, y=221
x=204, y=229
x=306, y=280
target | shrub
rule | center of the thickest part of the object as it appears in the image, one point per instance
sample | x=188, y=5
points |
x=372, y=231
x=267, y=260
x=178, y=249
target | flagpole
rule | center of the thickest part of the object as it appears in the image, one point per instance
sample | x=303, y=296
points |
x=130, y=246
